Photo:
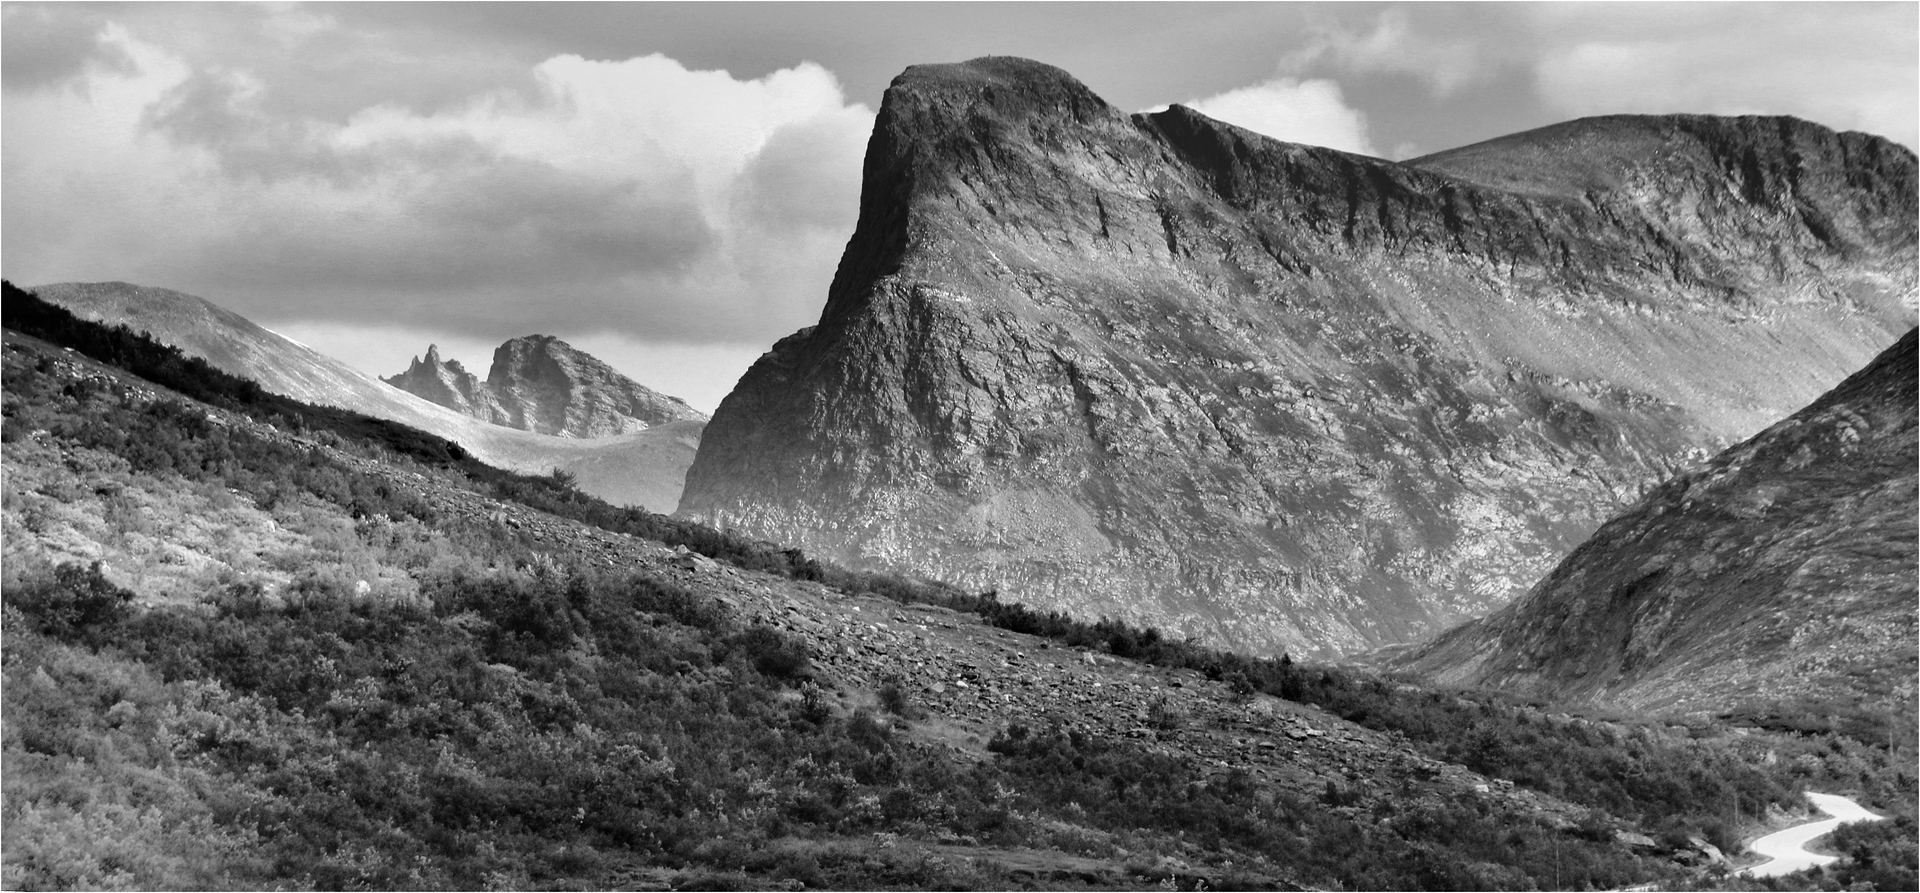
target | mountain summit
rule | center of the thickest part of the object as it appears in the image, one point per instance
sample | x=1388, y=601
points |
x=542, y=384
x=642, y=468
x=1281, y=397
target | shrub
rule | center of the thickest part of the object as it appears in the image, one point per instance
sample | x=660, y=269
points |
x=894, y=699
x=773, y=654
x=74, y=601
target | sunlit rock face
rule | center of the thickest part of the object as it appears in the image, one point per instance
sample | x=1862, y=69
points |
x=542, y=384
x=1775, y=582
x=1283, y=398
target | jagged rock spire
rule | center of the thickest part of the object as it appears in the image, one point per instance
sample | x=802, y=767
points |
x=540, y=383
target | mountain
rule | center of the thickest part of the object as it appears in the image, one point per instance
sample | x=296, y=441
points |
x=540, y=383
x=449, y=384
x=214, y=605
x=1776, y=580
x=645, y=467
x=1281, y=397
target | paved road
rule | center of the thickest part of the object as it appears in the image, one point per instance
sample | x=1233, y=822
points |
x=1787, y=848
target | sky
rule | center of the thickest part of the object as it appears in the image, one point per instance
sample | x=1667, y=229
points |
x=669, y=186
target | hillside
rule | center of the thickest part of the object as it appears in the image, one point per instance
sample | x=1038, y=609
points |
x=1282, y=398
x=243, y=654
x=1777, y=582
x=542, y=384
x=646, y=467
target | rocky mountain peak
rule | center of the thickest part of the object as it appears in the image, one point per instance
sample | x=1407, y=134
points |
x=543, y=384
x=446, y=383
x=1278, y=396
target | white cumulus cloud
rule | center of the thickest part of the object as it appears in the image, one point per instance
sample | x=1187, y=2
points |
x=635, y=198
x=1309, y=111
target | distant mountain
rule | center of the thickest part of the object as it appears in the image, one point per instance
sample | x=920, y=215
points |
x=449, y=384
x=540, y=383
x=645, y=467
x=1281, y=397
x=1778, y=580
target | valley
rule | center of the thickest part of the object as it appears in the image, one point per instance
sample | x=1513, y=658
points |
x=358, y=661
x=1774, y=584
x=1154, y=503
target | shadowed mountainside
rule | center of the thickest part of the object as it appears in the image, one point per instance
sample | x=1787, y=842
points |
x=1777, y=581
x=645, y=468
x=1282, y=397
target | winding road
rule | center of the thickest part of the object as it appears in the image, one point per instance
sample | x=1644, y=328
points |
x=1787, y=849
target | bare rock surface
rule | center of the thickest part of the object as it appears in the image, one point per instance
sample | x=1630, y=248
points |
x=449, y=384
x=542, y=384
x=1283, y=398
x=1777, y=579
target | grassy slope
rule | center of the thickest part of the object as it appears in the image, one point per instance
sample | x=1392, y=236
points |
x=646, y=468
x=493, y=709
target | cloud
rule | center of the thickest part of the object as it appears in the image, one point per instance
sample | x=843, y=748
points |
x=1311, y=111
x=41, y=47
x=1848, y=66
x=1844, y=65
x=1443, y=45
x=633, y=197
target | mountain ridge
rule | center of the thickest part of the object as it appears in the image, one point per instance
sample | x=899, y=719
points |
x=542, y=384
x=1777, y=580
x=1274, y=396
x=645, y=467
x=264, y=621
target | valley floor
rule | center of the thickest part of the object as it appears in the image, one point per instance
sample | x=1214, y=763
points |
x=384, y=632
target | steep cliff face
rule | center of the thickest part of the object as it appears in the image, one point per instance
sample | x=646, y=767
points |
x=542, y=384
x=1779, y=578
x=1281, y=397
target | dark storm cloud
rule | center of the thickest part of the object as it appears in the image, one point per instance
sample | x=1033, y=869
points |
x=40, y=47
x=507, y=226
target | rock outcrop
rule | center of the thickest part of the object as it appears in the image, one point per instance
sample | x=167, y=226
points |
x=542, y=384
x=449, y=384
x=1281, y=397
x=1777, y=581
